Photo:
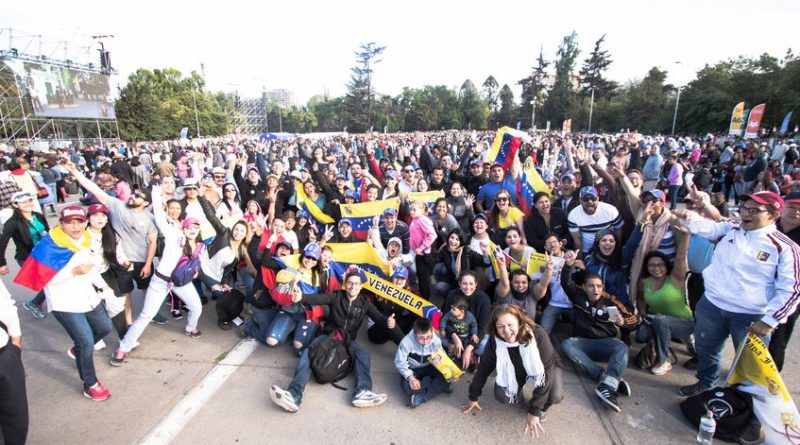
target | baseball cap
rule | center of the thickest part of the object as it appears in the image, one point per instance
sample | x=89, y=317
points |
x=72, y=212
x=589, y=191
x=345, y=221
x=351, y=194
x=285, y=244
x=341, y=176
x=19, y=197
x=770, y=199
x=312, y=250
x=390, y=211
x=296, y=174
x=655, y=193
x=189, y=222
x=482, y=216
x=568, y=177
x=97, y=208
x=400, y=272
x=190, y=183
x=390, y=174
x=395, y=239
x=303, y=213
x=792, y=197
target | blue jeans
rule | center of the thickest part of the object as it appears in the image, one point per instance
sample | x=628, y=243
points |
x=583, y=352
x=258, y=326
x=551, y=315
x=712, y=327
x=302, y=373
x=247, y=278
x=431, y=381
x=85, y=329
x=673, y=196
x=286, y=322
x=666, y=328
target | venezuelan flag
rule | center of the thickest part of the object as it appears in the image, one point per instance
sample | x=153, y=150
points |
x=403, y=297
x=529, y=185
x=48, y=257
x=345, y=255
x=361, y=214
x=428, y=198
x=505, y=147
x=318, y=217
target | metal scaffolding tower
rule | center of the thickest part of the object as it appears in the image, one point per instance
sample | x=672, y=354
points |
x=250, y=115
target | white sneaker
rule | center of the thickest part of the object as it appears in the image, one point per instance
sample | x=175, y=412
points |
x=367, y=399
x=283, y=399
x=100, y=345
x=661, y=369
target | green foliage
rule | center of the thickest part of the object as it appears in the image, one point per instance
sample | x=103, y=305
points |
x=561, y=100
x=156, y=104
x=533, y=90
x=359, y=90
x=505, y=115
x=474, y=109
x=592, y=73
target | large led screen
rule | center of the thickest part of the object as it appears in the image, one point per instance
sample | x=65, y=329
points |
x=57, y=91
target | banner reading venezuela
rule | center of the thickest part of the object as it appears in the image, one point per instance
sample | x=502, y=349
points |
x=361, y=214
x=505, y=146
x=318, y=217
x=755, y=373
x=737, y=120
x=48, y=257
x=345, y=255
x=529, y=184
x=754, y=121
x=403, y=297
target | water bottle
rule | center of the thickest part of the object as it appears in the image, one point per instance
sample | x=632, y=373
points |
x=707, y=427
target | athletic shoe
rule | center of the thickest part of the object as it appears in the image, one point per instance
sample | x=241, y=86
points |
x=243, y=334
x=691, y=364
x=135, y=345
x=118, y=358
x=71, y=352
x=661, y=369
x=177, y=314
x=417, y=400
x=283, y=399
x=97, y=392
x=100, y=345
x=194, y=333
x=543, y=416
x=624, y=388
x=752, y=434
x=35, y=310
x=692, y=390
x=160, y=319
x=448, y=389
x=367, y=398
x=225, y=326
x=608, y=396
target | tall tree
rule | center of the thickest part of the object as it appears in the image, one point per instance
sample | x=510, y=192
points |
x=359, y=89
x=489, y=92
x=561, y=100
x=474, y=110
x=505, y=115
x=592, y=73
x=647, y=105
x=533, y=89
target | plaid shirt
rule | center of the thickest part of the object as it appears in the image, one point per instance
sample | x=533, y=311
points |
x=7, y=189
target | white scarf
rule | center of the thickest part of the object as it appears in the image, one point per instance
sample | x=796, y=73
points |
x=506, y=375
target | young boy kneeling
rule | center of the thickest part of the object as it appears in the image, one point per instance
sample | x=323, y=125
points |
x=421, y=380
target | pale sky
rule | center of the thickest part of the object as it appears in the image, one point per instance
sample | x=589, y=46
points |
x=307, y=47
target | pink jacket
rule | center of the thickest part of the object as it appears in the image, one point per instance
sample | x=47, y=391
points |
x=421, y=233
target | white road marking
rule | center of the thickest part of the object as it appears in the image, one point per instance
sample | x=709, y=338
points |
x=174, y=422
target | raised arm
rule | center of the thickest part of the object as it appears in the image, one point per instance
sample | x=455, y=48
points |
x=88, y=184
x=681, y=266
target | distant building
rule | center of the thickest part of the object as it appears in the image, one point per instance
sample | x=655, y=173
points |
x=282, y=97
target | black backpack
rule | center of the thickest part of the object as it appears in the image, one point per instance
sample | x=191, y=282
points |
x=733, y=411
x=229, y=305
x=331, y=359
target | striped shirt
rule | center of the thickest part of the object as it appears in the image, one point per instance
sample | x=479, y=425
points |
x=604, y=217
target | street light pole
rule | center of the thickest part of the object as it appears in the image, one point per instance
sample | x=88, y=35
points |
x=591, y=109
x=675, y=115
x=196, y=118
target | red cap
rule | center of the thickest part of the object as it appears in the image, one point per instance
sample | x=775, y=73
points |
x=770, y=199
x=97, y=208
x=73, y=212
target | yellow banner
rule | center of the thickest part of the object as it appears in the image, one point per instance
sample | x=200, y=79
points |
x=756, y=365
x=737, y=120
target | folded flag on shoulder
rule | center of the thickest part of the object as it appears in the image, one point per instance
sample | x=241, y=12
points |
x=361, y=214
x=317, y=216
x=48, y=257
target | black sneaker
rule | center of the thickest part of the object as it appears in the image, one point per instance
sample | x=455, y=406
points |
x=160, y=319
x=225, y=325
x=692, y=390
x=608, y=396
x=204, y=300
x=177, y=314
x=752, y=434
x=624, y=388
x=243, y=334
x=691, y=364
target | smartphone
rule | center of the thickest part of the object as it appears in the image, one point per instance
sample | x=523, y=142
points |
x=613, y=313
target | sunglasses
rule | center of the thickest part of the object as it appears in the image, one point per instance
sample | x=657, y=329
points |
x=501, y=199
x=588, y=198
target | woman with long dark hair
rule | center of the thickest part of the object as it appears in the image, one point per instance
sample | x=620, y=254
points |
x=229, y=208
x=26, y=227
x=545, y=219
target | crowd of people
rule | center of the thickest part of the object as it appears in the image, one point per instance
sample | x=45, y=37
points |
x=217, y=221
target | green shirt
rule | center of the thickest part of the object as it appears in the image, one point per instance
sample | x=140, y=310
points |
x=668, y=300
x=36, y=230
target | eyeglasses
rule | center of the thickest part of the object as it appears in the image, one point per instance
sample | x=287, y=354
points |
x=752, y=211
x=219, y=176
x=428, y=337
x=589, y=198
x=501, y=199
